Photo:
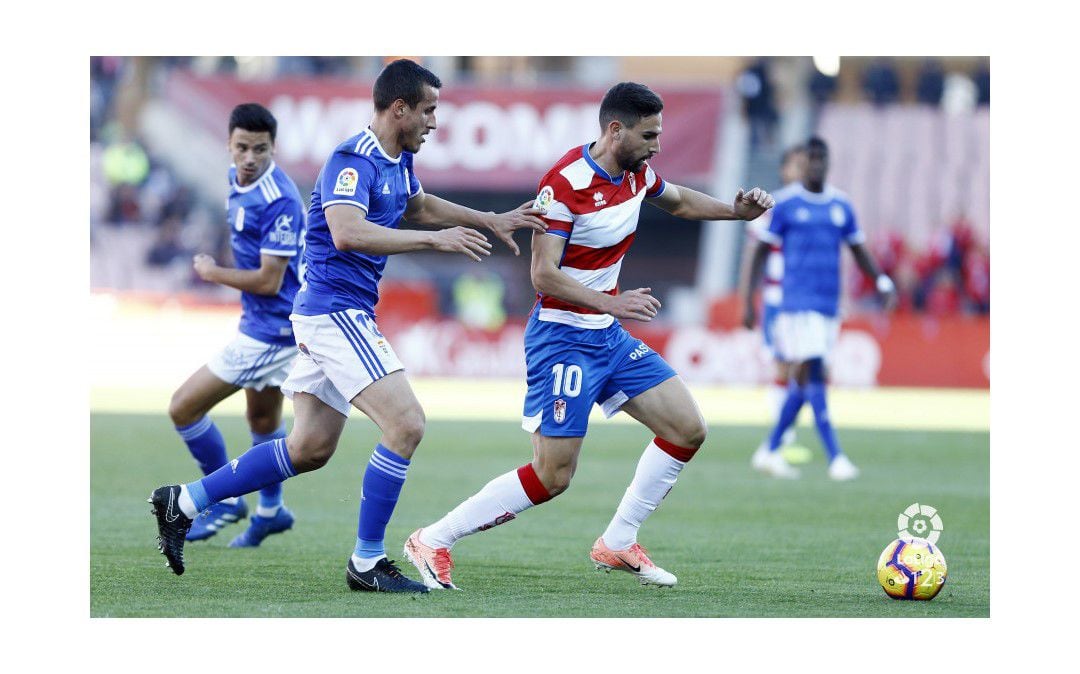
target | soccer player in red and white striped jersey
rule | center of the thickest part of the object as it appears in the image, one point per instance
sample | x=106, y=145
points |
x=578, y=354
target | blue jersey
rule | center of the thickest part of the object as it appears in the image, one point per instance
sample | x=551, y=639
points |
x=811, y=227
x=360, y=174
x=267, y=217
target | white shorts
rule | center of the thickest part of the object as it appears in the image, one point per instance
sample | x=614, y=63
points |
x=248, y=363
x=341, y=354
x=802, y=335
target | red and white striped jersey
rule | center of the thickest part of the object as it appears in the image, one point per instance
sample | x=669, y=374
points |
x=598, y=215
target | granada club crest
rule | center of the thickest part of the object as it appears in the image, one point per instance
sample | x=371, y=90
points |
x=560, y=411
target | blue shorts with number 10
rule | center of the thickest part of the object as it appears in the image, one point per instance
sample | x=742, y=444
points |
x=570, y=369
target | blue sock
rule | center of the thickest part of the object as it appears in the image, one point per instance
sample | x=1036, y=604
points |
x=269, y=496
x=256, y=468
x=204, y=441
x=790, y=410
x=815, y=393
x=383, y=479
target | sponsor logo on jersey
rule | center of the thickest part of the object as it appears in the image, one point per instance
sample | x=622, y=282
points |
x=802, y=214
x=346, y=182
x=386, y=188
x=599, y=199
x=238, y=223
x=545, y=198
x=234, y=464
x=560, y=411
x=283, y=233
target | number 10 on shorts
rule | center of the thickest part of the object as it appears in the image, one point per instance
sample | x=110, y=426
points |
x=567, y=380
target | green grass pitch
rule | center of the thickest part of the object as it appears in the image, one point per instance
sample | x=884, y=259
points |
x=742, y=545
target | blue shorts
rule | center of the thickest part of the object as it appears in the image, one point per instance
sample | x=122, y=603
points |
x=570, y=369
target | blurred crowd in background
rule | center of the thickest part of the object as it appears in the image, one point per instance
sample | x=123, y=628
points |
x=140, y=202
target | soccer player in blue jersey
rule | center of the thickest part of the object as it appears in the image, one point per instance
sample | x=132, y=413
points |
x=365, y=188
x=811, y=221
x=791, y=171
x=266, y=223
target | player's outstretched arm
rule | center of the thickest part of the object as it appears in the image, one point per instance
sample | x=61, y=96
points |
x=266, y=280
x=757, y=268
x=551, y=281
x=432, y=211
x=351, y=231
x=885, y=287
x=686, y=203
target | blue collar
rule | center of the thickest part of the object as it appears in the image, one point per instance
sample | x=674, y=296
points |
x=596, y=167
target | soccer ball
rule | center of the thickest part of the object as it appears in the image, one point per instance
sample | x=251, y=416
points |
x=911, y=569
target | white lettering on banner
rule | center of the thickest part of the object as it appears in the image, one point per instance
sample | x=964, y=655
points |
x=476, y=136
x=309, y=127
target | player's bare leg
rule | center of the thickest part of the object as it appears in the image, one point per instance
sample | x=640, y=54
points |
x=670, y=411
x=498, y=502
x=391, y=403
x=317, y=427
x=197, y=396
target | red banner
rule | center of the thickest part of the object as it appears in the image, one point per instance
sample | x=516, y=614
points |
x=488, y=138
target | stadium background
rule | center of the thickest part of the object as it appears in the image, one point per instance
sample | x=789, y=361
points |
x=910, y=145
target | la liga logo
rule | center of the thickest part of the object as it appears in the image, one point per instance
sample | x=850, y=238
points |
x=919, y=521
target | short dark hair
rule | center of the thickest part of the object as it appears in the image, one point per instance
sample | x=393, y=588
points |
x=628, y=102
x=253, y=117
x=402, y=79
x=817, y=143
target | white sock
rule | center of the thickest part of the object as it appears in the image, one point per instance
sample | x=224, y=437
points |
x=365, y=563
x=497, y=503
x=656, y=474
x=184, y=502
x=267, y=511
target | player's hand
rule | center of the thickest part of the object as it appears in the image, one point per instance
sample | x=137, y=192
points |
x=462, y=240
x=749, y=317
x=204, y=266
x=749, y=205
x=503, y=225
x=637, y=304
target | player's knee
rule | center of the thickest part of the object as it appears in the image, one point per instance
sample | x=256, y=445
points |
x=556, y=479
x=310, y=451
x=261, y=423
x=407, y=431
x=181, y=410
x=694, y=434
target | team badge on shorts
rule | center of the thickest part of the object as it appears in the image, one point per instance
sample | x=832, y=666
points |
x=560, y=411
x=346, y=182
